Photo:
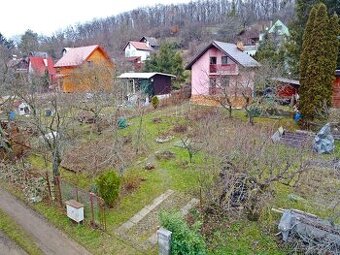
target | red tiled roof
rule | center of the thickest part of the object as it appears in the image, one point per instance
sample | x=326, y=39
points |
x=39, y=66
x=140, y=46
x=76, y=56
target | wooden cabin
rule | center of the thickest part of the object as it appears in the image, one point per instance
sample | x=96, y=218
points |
x=85, y=69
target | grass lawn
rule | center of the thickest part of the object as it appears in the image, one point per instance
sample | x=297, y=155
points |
x=17, y=234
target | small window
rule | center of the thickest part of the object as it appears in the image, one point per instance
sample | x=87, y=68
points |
x=90, y=63
x=225, y=81
x=224, y=60
x=213, y=60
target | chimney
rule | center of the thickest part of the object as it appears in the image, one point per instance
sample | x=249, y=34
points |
x=239, y=45
x=45, y=62
x=14, y=57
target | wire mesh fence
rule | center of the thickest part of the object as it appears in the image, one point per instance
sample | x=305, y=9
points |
x=94, y=206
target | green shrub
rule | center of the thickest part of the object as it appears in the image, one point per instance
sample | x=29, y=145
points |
x=155, y=102
x=184, y=240
x=108, y=185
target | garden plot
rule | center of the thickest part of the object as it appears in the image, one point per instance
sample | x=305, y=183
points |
x=297, y=139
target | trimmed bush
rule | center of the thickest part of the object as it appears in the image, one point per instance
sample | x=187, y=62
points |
x=108, y=185
x=184, y=240
x=155, y=102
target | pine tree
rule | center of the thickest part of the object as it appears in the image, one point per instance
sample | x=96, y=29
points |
x=334, y=31
x=306, y=48
x=296, y=29
x=167, y=60
x=271, y=52
x=318, y=60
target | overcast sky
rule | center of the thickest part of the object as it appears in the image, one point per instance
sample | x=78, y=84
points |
x=46, y=17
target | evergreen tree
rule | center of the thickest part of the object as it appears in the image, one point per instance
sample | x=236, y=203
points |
x=8, y=44
x=29, y=42
x=318, y=61
x=296, y=29
x=306, y=48
x=334, y=31
x=167, y=60
x=270, y=51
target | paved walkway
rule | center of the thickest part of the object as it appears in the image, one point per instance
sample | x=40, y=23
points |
x=147, y=209
x=184, y=211
x=50, y=240
x=8, y=247
x=140, y=229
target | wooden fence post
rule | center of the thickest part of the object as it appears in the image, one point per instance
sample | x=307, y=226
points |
x=77, y=193
x=92, y=211
x=57, y=182
x=48, y=187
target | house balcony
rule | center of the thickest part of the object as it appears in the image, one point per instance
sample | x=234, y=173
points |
x=224, y=69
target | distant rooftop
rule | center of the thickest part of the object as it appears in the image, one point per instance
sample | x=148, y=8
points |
x=139, y=46
x=152, y=40
x=142, y=75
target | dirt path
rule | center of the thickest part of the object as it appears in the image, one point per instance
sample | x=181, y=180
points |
x=50, y=240
x=8, y=247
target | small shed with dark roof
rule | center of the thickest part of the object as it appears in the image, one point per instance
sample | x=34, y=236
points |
x=158, y=84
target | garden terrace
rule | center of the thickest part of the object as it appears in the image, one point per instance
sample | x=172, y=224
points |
x=140, y=186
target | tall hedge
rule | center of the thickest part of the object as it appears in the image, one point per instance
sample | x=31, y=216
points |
x=318, y=63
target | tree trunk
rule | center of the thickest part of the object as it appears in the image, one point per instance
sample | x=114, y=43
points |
x=56, y=161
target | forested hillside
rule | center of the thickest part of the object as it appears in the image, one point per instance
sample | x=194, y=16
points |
x=187, y=24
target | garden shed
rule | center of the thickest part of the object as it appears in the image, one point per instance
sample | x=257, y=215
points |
x=336, y=90
x=151, y=84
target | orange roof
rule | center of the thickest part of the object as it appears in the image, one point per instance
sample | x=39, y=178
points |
x=76, y=56
x=140, y=45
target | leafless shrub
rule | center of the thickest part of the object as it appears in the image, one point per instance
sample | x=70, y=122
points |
x=131, y=181
x=95, y=156
x=251, y=166
x=179, y=128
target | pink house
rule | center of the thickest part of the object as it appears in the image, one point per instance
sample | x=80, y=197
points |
x=222, y=70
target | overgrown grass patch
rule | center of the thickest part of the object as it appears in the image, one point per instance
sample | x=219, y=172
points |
x=18, y=235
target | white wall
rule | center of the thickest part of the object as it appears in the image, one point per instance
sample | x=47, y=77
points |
x=131, y=51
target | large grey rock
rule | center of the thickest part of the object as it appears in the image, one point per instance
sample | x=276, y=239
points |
x=324, y=141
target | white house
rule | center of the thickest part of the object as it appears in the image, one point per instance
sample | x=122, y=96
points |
x=138, y=49
x=278, y=29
